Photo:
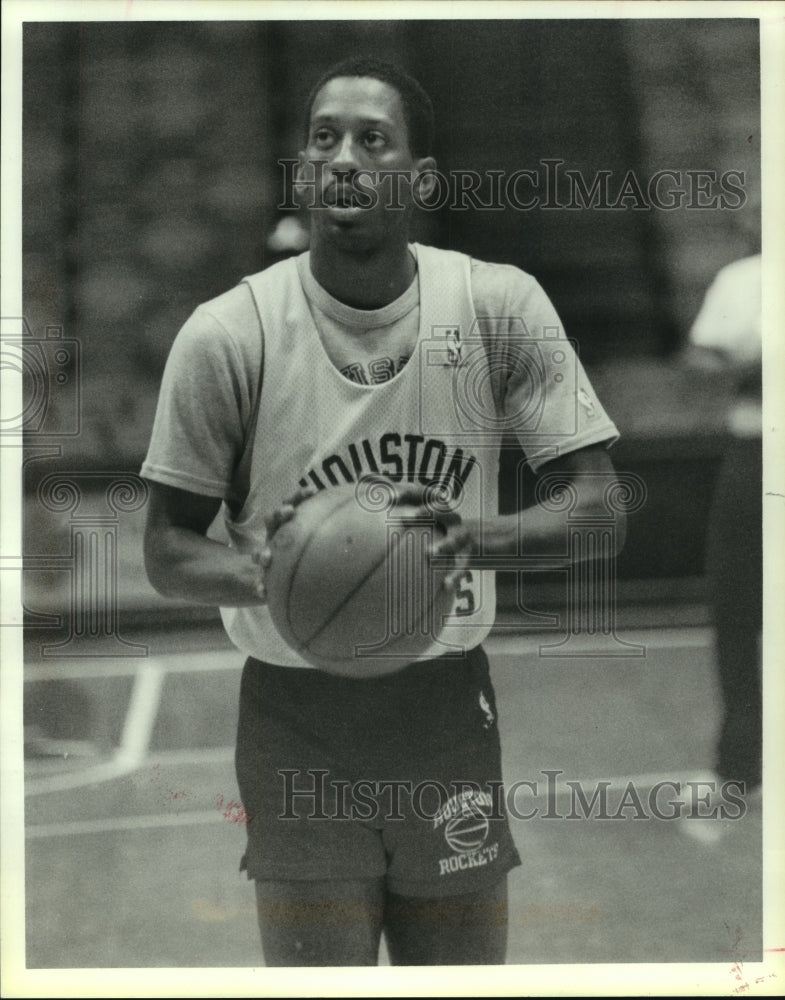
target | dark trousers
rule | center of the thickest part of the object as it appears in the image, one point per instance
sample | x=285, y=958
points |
x=734, y=568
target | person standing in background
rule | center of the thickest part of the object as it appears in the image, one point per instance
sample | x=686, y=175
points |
x=725, y=339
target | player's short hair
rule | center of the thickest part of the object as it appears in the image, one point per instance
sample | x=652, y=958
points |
x=417, y=107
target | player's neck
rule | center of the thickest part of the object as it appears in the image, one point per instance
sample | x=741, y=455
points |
x=364, y=281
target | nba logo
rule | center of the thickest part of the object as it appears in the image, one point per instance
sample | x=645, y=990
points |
x=453, y=337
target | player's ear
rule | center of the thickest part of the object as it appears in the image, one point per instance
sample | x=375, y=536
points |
x=424, y=177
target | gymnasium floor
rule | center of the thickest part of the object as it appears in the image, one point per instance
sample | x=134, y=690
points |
x=133, y=837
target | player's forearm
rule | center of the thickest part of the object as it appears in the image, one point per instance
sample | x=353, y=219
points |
x=183, y=564
x=535, y=532
x=532, y=532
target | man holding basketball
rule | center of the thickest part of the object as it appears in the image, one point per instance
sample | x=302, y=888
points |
x=369, y=359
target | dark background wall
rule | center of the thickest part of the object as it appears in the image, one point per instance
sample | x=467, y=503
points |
x=151, y=183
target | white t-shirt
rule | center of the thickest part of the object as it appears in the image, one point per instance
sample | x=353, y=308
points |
x=425, y=385
x=209, y=385
x=730, y=323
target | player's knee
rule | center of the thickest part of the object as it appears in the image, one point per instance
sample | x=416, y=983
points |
x=469, y=929
x=319, y=924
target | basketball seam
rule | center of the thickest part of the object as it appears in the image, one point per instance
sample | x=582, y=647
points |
x=347, y=597
x=305, y=643
x=391, y=652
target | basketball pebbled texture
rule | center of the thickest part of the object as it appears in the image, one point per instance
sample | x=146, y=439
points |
x=349, y=586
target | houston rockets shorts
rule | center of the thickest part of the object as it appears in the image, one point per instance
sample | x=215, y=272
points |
x=396, y=777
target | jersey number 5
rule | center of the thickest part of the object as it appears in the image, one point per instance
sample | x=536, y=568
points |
x=465, y=595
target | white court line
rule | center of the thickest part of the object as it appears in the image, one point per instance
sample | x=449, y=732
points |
x=141, y=715
x=172, y=663
x=643, y=783
x=150, y=672
x=677, y=638
x=123, y=824
x=137, y=730
x=107, y=771
x=206, y=661
x=203, y=755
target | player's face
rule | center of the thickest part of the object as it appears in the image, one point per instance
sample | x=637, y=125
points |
x=357, y=168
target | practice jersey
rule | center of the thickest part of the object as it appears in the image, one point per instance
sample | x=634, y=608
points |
x=433, y=413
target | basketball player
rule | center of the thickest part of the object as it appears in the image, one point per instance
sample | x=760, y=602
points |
x=325, y=368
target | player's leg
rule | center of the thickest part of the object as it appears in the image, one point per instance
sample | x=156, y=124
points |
x=470, y=929
x=450, y=853
x=323, y=923
x=318, y=873
x=734, y=569
x=740, y=742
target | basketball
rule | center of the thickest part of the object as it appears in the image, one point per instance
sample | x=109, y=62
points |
x=350, y=587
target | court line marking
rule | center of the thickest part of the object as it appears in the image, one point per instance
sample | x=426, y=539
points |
x=680, y=638
x=171, y=663
x=42, y=785
x=150, y=673
x=203, y=755
x=643, y=783
x=123, y=824
x=205, y=661
x=141, y=715
x=130, y=754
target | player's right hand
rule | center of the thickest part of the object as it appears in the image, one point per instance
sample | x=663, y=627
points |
x=285, y=512
x=261, y=559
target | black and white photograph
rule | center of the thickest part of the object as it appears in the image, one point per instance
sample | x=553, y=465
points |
x=393, y=498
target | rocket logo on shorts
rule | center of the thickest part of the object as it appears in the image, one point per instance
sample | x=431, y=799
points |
x=465, y=819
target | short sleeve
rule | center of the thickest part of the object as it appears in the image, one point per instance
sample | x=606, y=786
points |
x=729, y=320
x=206, y=398
x=545, y=396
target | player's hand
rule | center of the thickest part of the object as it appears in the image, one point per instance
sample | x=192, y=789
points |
x=401, y=494
x=286, y=510
x=426, y=502
x=263, y=557
x=457, y=540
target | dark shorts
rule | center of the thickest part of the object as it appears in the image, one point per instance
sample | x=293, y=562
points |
x=396, y=777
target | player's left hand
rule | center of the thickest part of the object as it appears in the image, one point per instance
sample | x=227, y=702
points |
x=455, y=541
x=459, y=540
